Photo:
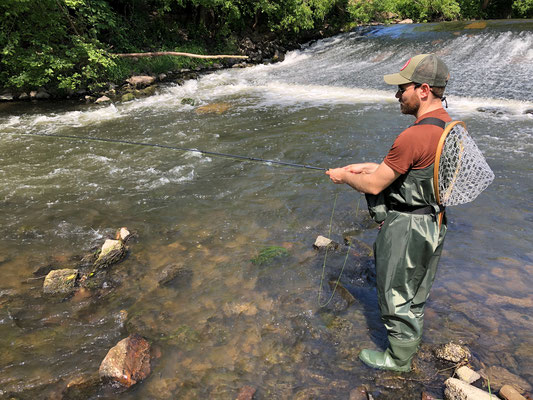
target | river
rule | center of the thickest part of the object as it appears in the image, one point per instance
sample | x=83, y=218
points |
x=226, y=322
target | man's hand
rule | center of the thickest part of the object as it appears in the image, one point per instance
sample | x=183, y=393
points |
x=361, y=168
x=337, y=175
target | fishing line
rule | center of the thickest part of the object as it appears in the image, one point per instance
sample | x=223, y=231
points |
x=326, y=255
x=163, y=146
x=325, y=258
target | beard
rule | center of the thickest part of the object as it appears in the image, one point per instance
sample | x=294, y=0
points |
x=410, y=107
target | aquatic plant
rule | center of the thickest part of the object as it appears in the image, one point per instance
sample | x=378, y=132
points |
x=268, y=254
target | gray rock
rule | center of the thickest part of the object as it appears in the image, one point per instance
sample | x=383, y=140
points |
x=112, y=252
x=452, y=352
x=42, y=94
x=322, y=242
x=141, y=80
x=128, y=362
x=24, y=96
x=507, y=392
x=456, y=389
x=103, y=99
x=60, y=281
x=492, y=110
x=467, y=375
x=6, y=96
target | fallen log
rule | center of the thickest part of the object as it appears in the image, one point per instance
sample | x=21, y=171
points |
x=175, y=53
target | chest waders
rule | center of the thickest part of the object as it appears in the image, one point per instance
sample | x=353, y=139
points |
x=406, y=251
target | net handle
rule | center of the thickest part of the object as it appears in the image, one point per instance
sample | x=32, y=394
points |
x=438, y=153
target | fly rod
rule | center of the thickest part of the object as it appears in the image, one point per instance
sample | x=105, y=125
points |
x=163, y=146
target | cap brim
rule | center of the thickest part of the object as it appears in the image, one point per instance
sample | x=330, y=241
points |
x=395, y=79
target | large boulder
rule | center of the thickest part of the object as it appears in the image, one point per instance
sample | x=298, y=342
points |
x=128, y=362
x=60, y=281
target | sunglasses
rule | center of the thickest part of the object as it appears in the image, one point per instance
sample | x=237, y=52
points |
x=402, y=91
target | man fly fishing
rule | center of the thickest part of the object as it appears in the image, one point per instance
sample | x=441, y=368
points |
x=401, y=196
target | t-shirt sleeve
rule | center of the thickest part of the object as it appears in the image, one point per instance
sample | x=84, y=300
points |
x=401, y=156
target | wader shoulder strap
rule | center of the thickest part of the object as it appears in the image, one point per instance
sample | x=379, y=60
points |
x=431, y=121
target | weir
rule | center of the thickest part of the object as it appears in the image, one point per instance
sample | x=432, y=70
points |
x=227, y=322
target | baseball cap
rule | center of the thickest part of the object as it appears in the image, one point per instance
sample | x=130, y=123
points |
x=423, y=68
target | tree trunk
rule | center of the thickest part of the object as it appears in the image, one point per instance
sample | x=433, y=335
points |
x=175, y=53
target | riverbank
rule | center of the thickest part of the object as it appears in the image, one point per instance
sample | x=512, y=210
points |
x=146, y=74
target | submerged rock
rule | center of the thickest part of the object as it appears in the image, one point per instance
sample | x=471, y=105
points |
x=526, y=302
x=246, y=393
x=128, y=362
x=111, y=253
x=500, y=376
x=81, y=387
x=452, y=352
x=60, y=281
x=359, y=393
x=343, y=291
x=215, y=108
x=174, y=275
x=456, y=389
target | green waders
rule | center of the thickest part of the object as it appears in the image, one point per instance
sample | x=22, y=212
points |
x=407, y=250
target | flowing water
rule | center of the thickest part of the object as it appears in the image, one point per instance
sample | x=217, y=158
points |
x=226, y=322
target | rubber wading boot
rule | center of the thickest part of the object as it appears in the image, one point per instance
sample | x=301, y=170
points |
x=396, y=358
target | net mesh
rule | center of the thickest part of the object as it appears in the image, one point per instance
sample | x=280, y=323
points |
x=463, y=171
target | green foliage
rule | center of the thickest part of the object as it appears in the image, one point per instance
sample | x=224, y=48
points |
x=420, y=10
x=270, y=253
x=46, y=43
x=428, y=10
x=523, y=9
x=66, y=45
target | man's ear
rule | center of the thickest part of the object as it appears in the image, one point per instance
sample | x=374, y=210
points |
x=425, y=91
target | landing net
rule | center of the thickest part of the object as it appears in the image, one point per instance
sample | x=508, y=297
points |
x=461, y=171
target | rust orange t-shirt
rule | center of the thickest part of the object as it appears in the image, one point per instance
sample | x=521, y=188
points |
x=415, y=147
